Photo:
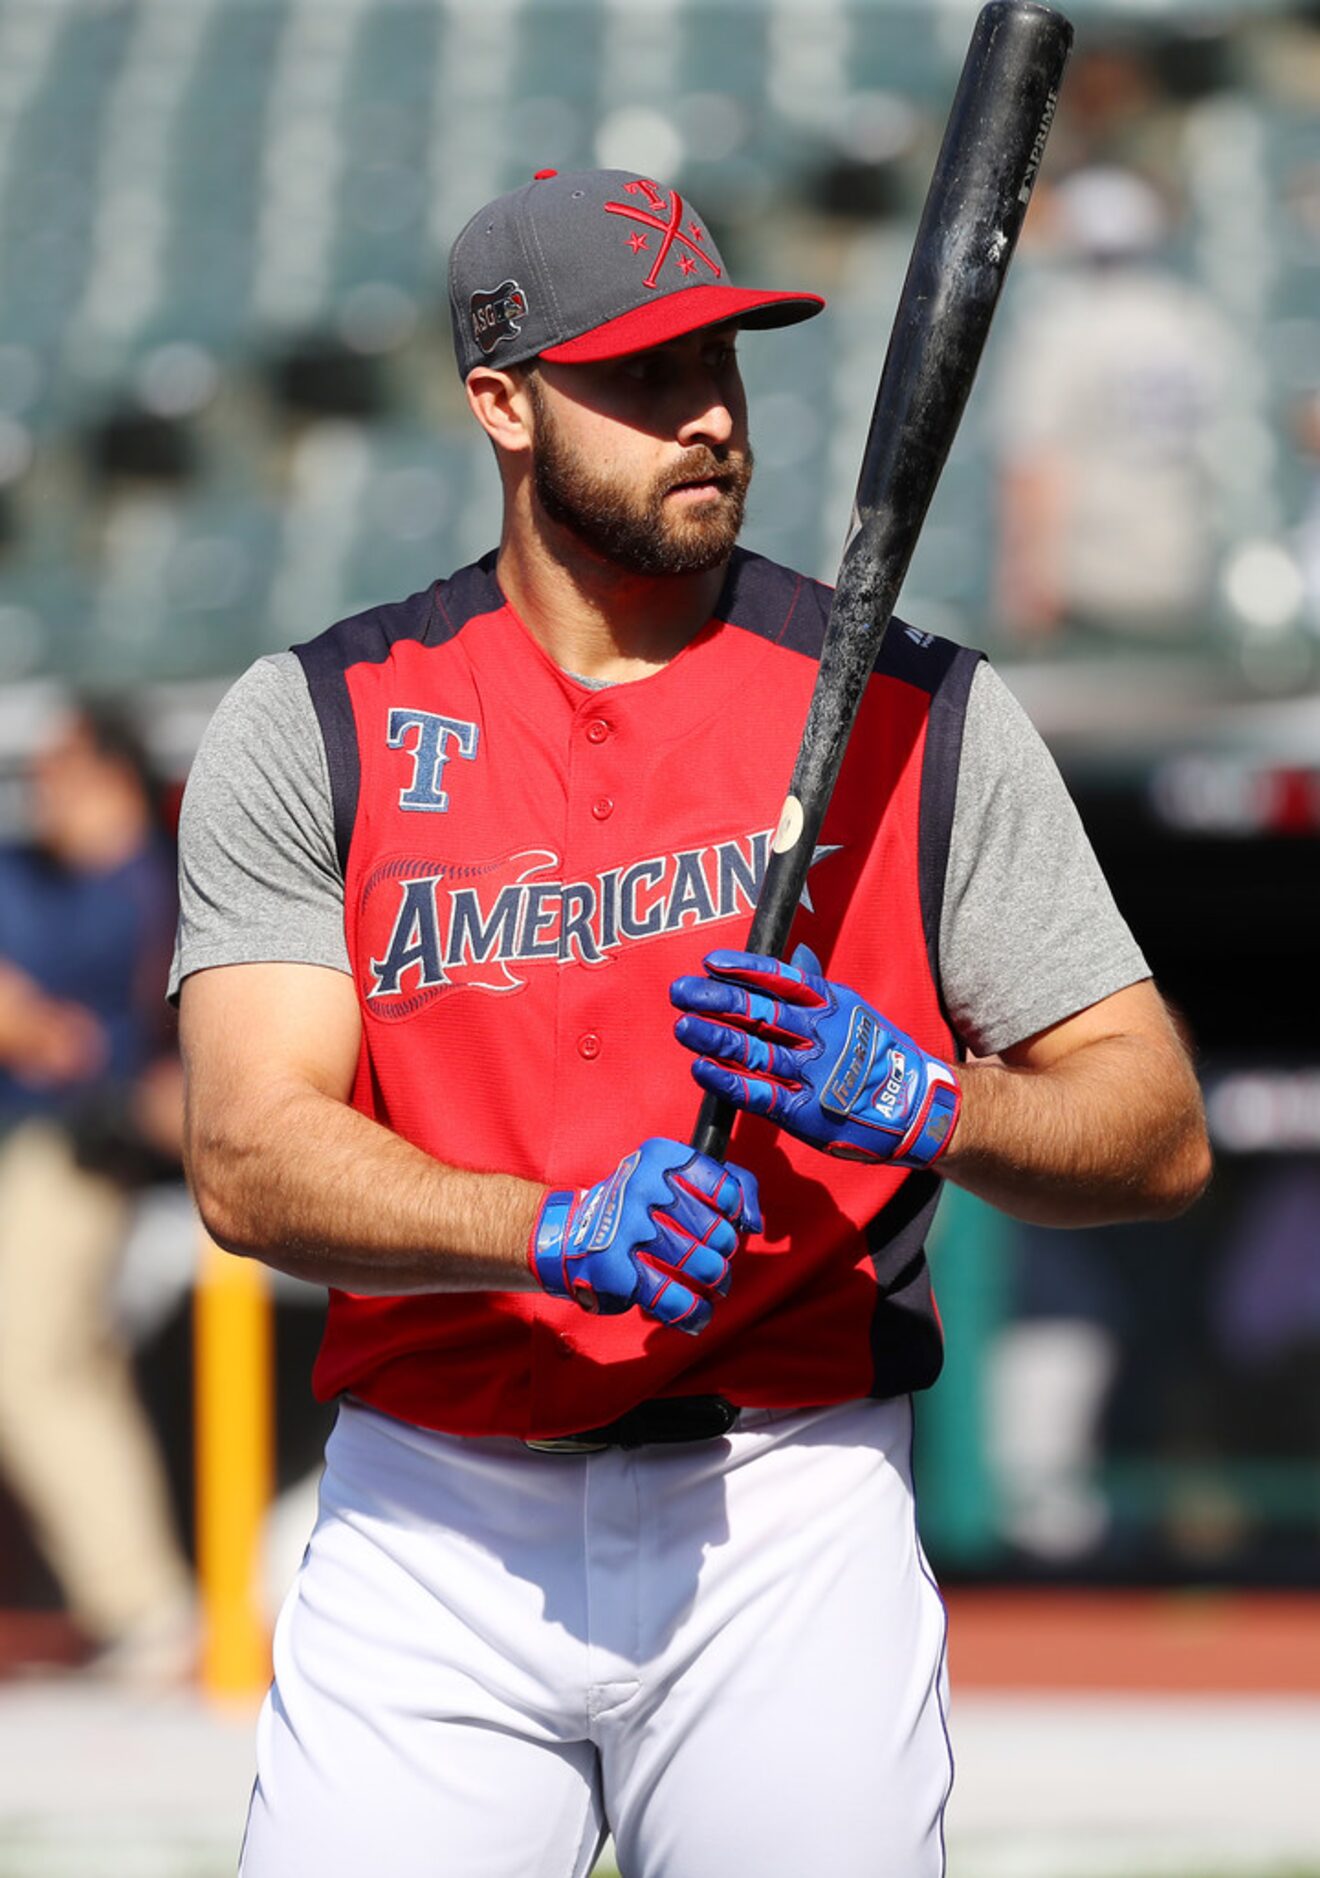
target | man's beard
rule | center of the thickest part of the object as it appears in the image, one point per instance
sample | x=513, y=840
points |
x=636, y=529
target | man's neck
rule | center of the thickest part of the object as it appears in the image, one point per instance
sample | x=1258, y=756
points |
x=598, y=621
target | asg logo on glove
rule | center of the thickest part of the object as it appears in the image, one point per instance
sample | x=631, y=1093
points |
x=894, y=1095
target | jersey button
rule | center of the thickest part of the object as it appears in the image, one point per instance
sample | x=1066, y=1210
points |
x=589, y=1044
x=602, y=808
x=597, y=730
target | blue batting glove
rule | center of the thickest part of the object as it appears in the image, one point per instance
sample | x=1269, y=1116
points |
x=814, y=1057
x=665, y=1210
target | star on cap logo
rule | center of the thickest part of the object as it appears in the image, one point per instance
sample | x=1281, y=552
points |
x=495, y=314
x=664, y=216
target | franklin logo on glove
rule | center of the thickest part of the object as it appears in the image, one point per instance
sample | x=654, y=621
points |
x=859, y=1054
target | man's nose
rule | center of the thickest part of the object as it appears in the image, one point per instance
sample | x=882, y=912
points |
x=710, y=420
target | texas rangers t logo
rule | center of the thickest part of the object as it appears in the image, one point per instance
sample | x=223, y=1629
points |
x=430, y=753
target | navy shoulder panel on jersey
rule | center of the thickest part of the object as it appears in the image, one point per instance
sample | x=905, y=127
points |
x=468, y=594
x=907, y=1343
x=761, y=596
x=430, y=618
x=939, y=790
x=919, y=658
x=436, y=614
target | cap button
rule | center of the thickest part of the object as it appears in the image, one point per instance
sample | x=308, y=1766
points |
x=542, y=175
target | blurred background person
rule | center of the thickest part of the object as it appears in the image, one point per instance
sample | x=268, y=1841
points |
x=1109, y=404
x=90, y=1114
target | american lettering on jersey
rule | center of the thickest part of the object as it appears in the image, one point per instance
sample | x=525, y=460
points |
x=429, y=926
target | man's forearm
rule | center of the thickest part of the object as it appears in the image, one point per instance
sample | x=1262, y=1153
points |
x=318, y=1190
x=1109, y=1133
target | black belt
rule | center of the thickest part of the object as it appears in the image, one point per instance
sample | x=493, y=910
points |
x=680, y=1418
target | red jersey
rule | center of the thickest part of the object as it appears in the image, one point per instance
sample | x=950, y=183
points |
x=528, y=863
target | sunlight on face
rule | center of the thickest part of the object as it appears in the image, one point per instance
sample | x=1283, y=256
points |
x=677, y=516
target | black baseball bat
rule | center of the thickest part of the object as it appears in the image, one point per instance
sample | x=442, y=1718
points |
x=979, y=191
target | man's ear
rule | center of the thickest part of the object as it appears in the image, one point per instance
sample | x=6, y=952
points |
x=501, y=405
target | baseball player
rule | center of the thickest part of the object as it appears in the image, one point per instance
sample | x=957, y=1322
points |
x=616, y=1526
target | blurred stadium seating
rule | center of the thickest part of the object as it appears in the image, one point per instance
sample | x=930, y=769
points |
x=222, y=312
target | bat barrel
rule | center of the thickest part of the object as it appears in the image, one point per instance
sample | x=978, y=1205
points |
x=978, y=197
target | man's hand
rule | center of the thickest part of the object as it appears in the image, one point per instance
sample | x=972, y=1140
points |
x=665, y=1210
x=46, y=1042
x=815, y=1058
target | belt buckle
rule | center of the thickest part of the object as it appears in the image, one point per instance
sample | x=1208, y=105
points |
x=661, y=1423
x=567, y=1444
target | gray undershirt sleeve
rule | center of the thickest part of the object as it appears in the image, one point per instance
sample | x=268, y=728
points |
x=259, y=876
x=1029, y=933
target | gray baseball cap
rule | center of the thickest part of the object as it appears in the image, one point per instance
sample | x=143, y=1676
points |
x=592, y=264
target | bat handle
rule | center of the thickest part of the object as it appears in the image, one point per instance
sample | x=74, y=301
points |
x=715, y=1120
x=776, y=904
x=781, y=892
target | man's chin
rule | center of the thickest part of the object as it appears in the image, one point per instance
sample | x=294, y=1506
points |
x=664, y=554
x=701, y=534
x=682, y=558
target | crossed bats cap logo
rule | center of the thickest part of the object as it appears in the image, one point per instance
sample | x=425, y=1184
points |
x=593, y=264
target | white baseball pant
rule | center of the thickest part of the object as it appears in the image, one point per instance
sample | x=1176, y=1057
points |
x=730, y=1653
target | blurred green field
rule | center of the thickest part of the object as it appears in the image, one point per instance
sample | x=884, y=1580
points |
x=38, y=1850
x=98, y=1784
x=961, y=1867
x=971, y=1868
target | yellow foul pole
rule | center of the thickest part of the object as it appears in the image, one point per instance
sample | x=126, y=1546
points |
x=234, y=1418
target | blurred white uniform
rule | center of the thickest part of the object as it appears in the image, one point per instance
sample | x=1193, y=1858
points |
x=1111, y=393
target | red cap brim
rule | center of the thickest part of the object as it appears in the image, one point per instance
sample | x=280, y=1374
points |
x=685, y=311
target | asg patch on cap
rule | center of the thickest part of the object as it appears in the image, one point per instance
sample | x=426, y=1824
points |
x=496, y=313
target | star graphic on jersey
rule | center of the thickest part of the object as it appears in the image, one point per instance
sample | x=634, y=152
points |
x=817, y=854
x=637, y=243
x=696, y=231
x=687, y=264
